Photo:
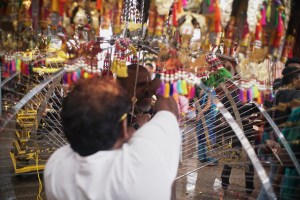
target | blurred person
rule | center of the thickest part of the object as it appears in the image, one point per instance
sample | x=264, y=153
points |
x=140, y=91
x=284, y=102
x=209, y=111
x=246, y=112
x=102, y=160
x=151, y=70
x=290, y=185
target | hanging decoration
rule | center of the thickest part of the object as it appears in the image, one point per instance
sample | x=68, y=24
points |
x=226, y=8
x=123, y=50
x=253, y=11
x=187, y=43
x=217, y=73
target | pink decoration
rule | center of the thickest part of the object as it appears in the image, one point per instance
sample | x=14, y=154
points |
x=211, y=6
x=280, y=25
x=263, y=17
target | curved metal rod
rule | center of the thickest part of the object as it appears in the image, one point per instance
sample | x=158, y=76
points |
x=244, y=141
x=9, y=78
x=233, y=105
x=29, y=96
x=280, y=136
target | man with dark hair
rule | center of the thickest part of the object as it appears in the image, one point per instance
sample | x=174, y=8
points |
x=104, y=161
x=245, y=112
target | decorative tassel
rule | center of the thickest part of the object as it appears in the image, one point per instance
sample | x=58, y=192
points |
x=260, y=98
x=189, y=91
x=78, y=73
x=176, y=98
x=193, y=92
x=174, y=15
x=82, y=73
x=114, y=66
x=69, y=78
x=263, y=16
x=175, y=88
x=65, y=78
x=241, y=95
x=211, y=6
x=161, y=89
x=27, y=70
x=184, y=87
x=13, y=66
x=8, y=68
x=122, y=70
x=280, y=27
x=167, y=90
x=256, y=93
x=217, y=18
x=74, y=77
x=18, y=65
x=279, y=31
x=245, y=94
x=171, y=89
x=179, y=87
x=249, y=96
x=22, y=67
x=85, y=75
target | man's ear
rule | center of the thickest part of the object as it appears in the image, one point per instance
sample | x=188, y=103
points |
x=124, y=134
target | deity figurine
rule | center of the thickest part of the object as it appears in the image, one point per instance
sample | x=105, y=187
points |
x=81, y=26
x=186, y=31
x=163, y=8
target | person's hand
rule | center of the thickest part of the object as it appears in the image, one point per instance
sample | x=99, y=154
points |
x=155, y=83
x=273, y=145
x=141, y=119
x=167, y=104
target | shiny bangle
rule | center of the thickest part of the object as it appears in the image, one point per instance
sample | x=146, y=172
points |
x=135, y=126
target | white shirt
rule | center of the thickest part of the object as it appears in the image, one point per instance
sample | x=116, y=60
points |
x=142, y=169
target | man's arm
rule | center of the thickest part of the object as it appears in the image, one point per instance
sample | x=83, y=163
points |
x=166, y=104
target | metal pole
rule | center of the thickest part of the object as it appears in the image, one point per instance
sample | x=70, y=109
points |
x=1, y=90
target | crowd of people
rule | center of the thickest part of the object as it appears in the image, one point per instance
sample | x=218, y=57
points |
x=125, y=146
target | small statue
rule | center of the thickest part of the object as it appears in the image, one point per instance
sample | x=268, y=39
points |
x=80, y=23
